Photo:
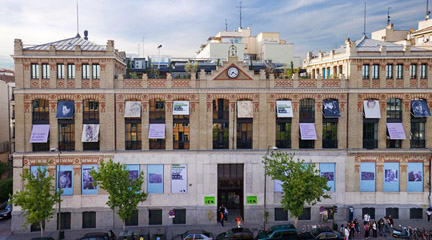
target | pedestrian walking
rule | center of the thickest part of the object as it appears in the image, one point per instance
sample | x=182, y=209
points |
x=357, y=225
x=342, y=229
x=352, y=230
x=429, y=213
x=226, y=214
x=374, y=229
x=221, y=214
x=366, y=228
x=381, y=228
x=386, y=225
x=346, y=232
x=366, y=218
x=391, y=221
x=238, y=221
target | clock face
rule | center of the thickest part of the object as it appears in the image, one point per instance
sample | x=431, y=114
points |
x=233, y=72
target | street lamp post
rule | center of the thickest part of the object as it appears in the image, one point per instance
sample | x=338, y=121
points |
x=265, y=186
x=59, y=190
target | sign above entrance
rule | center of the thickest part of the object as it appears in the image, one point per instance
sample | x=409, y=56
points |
x=209, y=200
x=251, y=199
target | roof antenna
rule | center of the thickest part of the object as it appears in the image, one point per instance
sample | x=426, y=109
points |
x=226, y=25
x=427, y=10
x=78, y=35
x=364, y=20
x=388, y=15
x=240, y=9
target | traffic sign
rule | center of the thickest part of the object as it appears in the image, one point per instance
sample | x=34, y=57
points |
x=171, y=213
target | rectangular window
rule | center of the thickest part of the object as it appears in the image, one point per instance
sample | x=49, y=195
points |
x=365, y=71
x=60, y=71
x=423, y=71
x=133, y=134
x=71, y=71
x=416, y=213
x=306, y=215
x=220, y=136
x=399, y=71
x=283, y=132
x=371, y=212
x=85, y=70
x=65, y=220
x=95, y=71
x=367, y=177
x=324, y=73
x=133, y=220
x=413, y=71
x=329, y=137
x=415, y=177
x=181, y=132
x=157, y=116
x=35, y=227
x=244, y=133
x=389, y=71
x=417, y=133
x=45, y=71
x=40, y=113
x=391, y=177
x=280, y=214
x=155, y=217
x=180, y=216
x=34, y=71
x=340, y=69
x=394, y=212
x=89, y=220
x=66, y=135
x=370, y=134
x=375, y=71
x=91, y=112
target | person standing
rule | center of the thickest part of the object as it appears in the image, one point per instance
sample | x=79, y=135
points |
x=428, y=213
x=346, y=232
x=238, y=221
x=366, y=219
x=391, y=221
x=357, y=225
x=221, y=214
x=226, y=214
x=366, y=228
x=374, y=229
x=352, y=229
x=381, y=228
x=386, y=225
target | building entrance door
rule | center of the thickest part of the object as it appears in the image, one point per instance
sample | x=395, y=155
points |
x=230, y=190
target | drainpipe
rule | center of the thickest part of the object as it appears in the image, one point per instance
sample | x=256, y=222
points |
x=430, y=178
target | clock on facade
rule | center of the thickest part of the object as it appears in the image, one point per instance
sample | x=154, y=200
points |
x=233, y=72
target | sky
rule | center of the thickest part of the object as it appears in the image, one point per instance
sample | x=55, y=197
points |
x=181, y=26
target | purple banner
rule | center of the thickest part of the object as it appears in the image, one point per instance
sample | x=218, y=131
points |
x=157, y=131
x=39, y=133
x=307, y=131
x=396, y=131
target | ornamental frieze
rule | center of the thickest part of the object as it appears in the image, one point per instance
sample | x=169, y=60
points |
x=403, y=158
x=63, y=160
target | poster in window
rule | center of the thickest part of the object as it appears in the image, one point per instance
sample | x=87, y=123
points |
x=65, y=179
x=155, y=178
x=331, y=108
x=90, y=133
x=132, y=109
x=34, y=170
x=39, y=133
x=415, y=177
x=181, y=108
x=65, y=109
x=179, y=178
x=391, y=177
x=87, y=183
x=284, y=109
x=244, y=109
x=157, y=131
x=367, y=177
x=420, y=108
x=307, y=131
x=371, y=108
x=396, y=131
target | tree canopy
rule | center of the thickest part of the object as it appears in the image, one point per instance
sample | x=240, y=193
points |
x=124, y=192
x=301, y=182
x=38, y=197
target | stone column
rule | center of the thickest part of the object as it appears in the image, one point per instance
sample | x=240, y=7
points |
x=406, y=122
x=120, y=128
x=382, y=127
x=232, y=125
x=403, y=176
x=295, y=130
x=77, y=179
x=78, y=125
x=428, y=134
x=107, y=122
x=28, y=125
x=194, y=124
x=53, y=124
x=145, y=125
x=270, y=114
x=318, y=124
x=379, y=176
x=169, y=125
x=342, y=130
x=78, y=76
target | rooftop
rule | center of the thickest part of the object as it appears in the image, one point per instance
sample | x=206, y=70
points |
x=69, y=45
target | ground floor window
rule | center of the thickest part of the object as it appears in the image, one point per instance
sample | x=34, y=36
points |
x=394, y=212
x=133, y=220
x=180, y=216
x=371, y=212
x=89, y=219
x=35, y=227
x=306, y=215
x=416, y=213
x=155, y=217
x=65, y=220
x=280, y=214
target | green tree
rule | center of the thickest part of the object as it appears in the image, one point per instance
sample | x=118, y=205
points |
x=124, y=193
x=38, y=197
x=301, y=182
x=5, y=189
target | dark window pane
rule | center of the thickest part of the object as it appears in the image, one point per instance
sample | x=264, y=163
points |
x=65, y=220
x=155, y=217
x=244, y=133
x=416, y=213
x=306, y=215
x=371, y=212
x=394, y=212
x=280, y=214
x=89, y=219
x=180, y=216
x=133, y=220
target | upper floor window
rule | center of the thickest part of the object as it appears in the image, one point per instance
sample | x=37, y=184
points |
x=45, y=71
x=85, y=68
x=34, y=71
x=71, y=71
x=370, y=133
x=40, y=120
x=307, y=110
x=133, y=133
x=413, y=71
x=181, y=132
x=157, y=111
x=40, y=111
x=220, y=109
x=283, y=132
x=423, y=71
x=220, y=124
x=340, y=69
x=365, y=71
x=394, y=108
x=60, y=71
x=95, y=71
x=389, y=71
x=399, y=71
x=91, y=111
x=375, y=71
x=66, y=130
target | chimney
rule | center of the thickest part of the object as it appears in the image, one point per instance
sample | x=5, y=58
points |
x=85, y=35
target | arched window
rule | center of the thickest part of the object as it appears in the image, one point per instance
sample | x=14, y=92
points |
x=220, y=124
x=40, y=116
x=156, y=116
x=394, y=115
x=90, y=123
x=181, y=131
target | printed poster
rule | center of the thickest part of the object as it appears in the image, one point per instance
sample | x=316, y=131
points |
x=371, y=109
x=391, y=177
x=420, y=108
x=155, y=178
x=34, y=170
x=179, y=178
x=39, y=133
x=134, y=171
x=396, y=131
x=284, y=109
x=367, y=177
x=327, y=170
x=132, y=109
x=64, y=179
x=307, y=131
x=277, y=186
x=65, y=109
x=415, y=177
x=244, y=109
x=157, y=131
x=181, y=108
x=87, y=186
x=90, y=133
x=331, y=109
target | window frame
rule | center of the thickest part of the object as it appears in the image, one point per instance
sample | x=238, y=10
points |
x=244, y=130
x=181, y=124
x=88, y=219
x=365, y=71
x=45, y=71
x=280, y=141
x=399, y=71
x=34, y=71
x=131, y=144
x=330, y=127
x=96, y=71
x=60, y=71
x=370, y=143
x=71, y=71
x=389, y=71
x=413, y=71
x=85, y=71
x=375, y=71
x=423, y=71
x=66, y=131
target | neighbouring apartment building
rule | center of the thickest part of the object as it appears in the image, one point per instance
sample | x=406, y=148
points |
x=363, y=117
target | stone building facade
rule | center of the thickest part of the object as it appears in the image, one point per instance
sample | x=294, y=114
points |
x=216, y=130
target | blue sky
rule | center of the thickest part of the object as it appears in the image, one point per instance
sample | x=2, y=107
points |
x=181, y=26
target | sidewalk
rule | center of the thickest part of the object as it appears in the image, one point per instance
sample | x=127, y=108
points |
x=173, y=232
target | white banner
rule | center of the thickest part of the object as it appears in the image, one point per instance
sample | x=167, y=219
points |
x=132, y=109
x=371, y=109
x=90, y=133
x=179, y=178
x=39, y=133
x=244, y=109
x=307, y=131
x=284, y=109
x=157, y=131
x=180, y=108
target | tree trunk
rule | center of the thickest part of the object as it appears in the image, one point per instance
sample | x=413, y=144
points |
x=41, y=228
x=296, y=222
x=124, y=225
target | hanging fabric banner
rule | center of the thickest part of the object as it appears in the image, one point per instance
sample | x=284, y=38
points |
x=65, y=109
x=371, y=109
x=244, y=109
x=415, y=177
x=155, y=178
x=157, y=131
x=132, y=109
x=327, y=170
x=284, y=109
x=391, y=177
x=90, y=133
x=179, y=178
x=396, y=131
x=180, y=108
x=65, y=179
x=420, y=108
x=307, y=131
x=87, y=186
x=331, y=109
x=39, y=133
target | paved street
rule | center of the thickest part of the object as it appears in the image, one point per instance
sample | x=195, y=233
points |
x=174, y=231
